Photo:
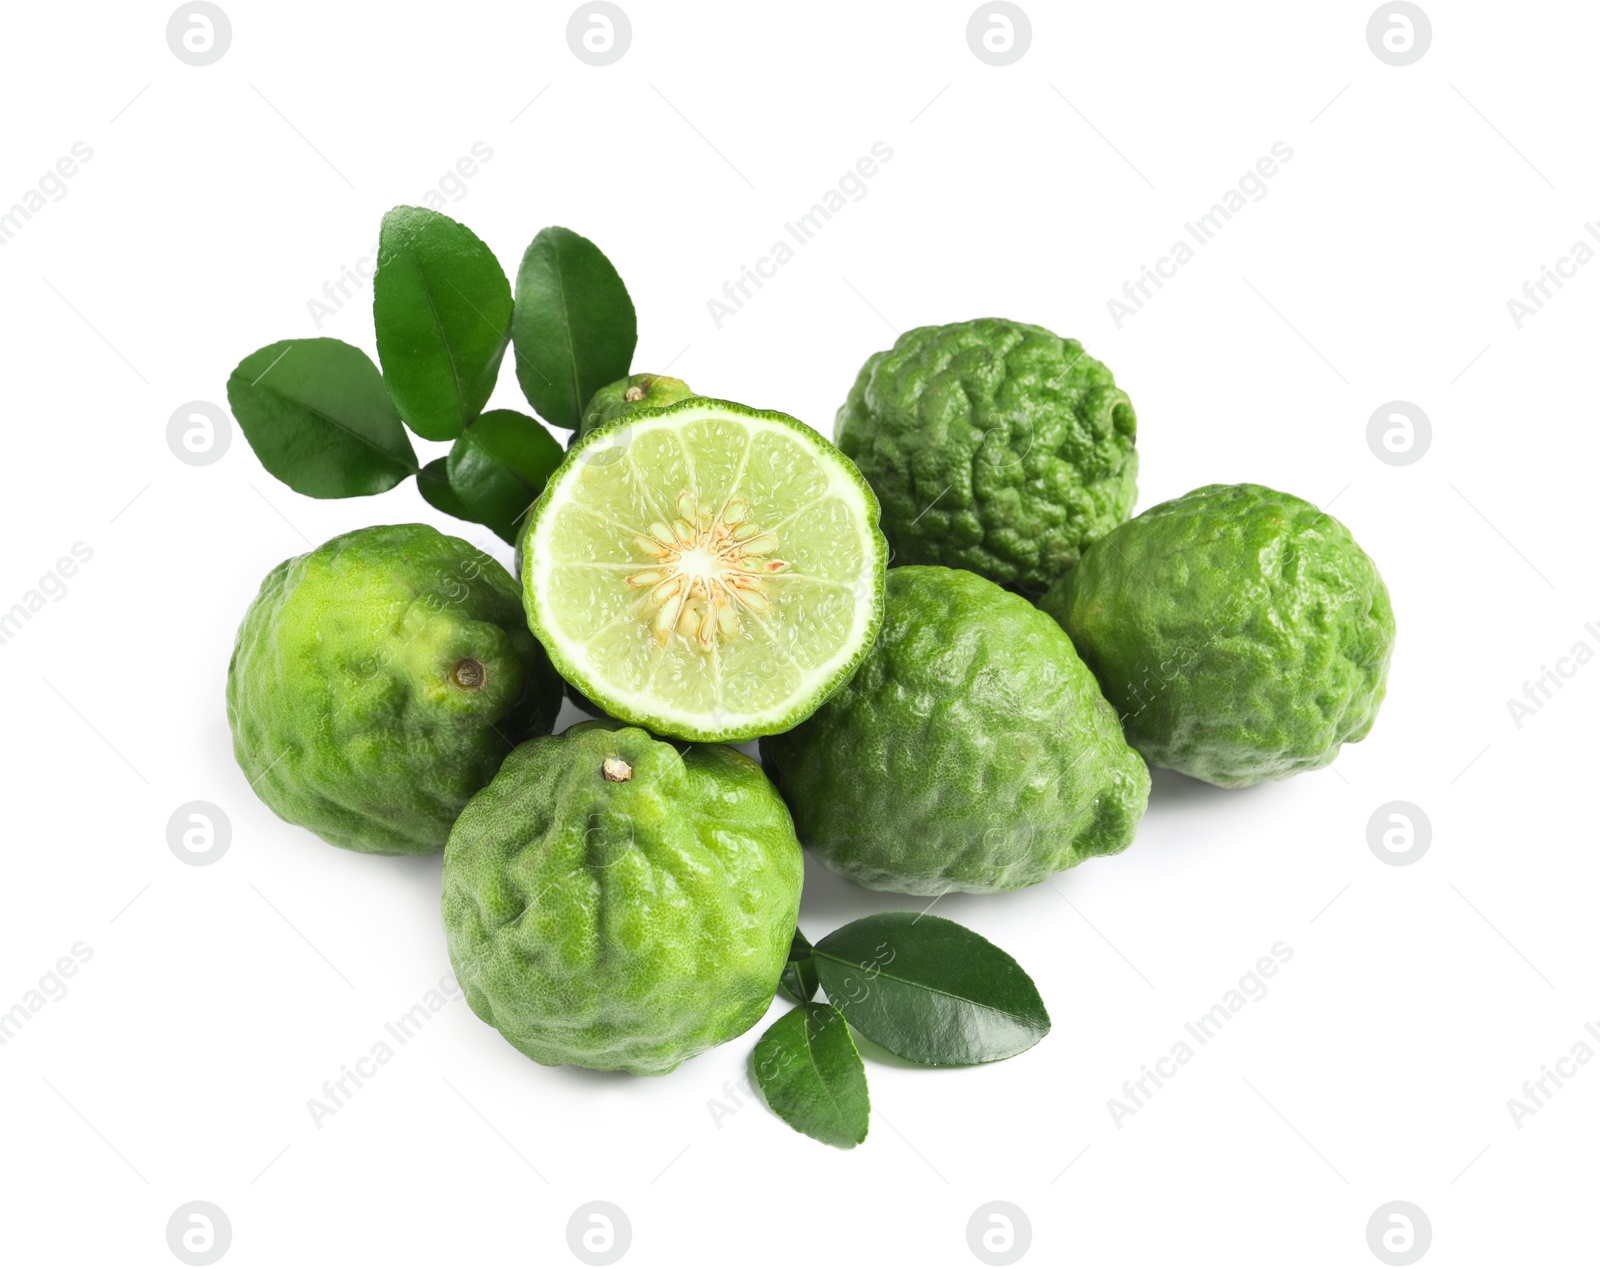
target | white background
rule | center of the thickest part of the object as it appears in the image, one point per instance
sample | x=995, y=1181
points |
x=218, y=999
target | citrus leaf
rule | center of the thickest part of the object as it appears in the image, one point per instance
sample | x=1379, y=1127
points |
x=812, y=1076
x=442, y=308
x=433, y=483
x=929, y=990
x=574, y=327
x=316, y=413
x=799, y=981
x=498, y=466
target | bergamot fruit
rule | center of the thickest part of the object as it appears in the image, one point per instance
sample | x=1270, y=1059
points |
x=377, y=683
x=613, y=902
x=707, y=571
x=630, y=396
x=972, y=751
x=1242, y=634
x=994, y=446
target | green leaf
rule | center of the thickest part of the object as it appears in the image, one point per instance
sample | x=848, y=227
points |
x=799, y=981
x=499, y=465
x=812, y=1076
x=442, y=308
x=316, y=413
x=433, y=483
x=930, y=990
x=574, y=326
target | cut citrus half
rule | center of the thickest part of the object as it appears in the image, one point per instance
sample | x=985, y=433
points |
x=707, y=571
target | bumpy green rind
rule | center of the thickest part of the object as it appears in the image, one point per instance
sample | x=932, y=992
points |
x=1241, y=633
x=972, y=751
x=611, y=402
x=621, y=926
x=993, y=446
x=346, y=718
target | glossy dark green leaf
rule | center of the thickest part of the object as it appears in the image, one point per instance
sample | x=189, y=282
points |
x=812, y=1076
x=499, y=465
x=442, y=308
x=574, y=327
x=433, y=483
x=799, y=981
x=316, y=413
x=930, y=990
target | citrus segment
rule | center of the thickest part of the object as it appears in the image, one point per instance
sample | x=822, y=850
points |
x=707, y=570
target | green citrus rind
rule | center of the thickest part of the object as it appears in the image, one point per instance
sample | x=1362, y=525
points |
x=972, y=751
x=994, y=446
x=619, y=902
x=377, y=683
x=1241, y=633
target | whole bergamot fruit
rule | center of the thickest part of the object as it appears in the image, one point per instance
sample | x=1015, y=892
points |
x=629, y=396
x=993, y=446
x=616, y=902
x=1241, y=633
x=377, y=683
x=972, y=750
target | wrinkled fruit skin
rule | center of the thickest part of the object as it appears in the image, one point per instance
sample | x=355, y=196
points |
x=629, y=396
x=621, y=924
x=993, y=446
x=972, y=751
x=1241, y=633
x=355, y=708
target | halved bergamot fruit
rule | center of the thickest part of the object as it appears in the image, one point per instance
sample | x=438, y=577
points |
x=707, y=571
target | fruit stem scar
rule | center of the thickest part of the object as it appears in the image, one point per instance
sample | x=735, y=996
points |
x=616, y=771
x=468, y=673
